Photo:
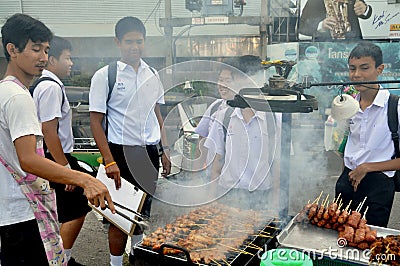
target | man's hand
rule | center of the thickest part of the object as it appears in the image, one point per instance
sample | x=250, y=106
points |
x=97, y=194
x=360, y=8
x=357, y=175
x=329, y=23
x=113, y=172
x=166, y=163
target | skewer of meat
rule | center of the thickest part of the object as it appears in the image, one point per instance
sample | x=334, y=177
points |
x=355, y=216
x=336, y=215
x=348, y=233
x=321, y=209
x=314, y=207
x=354, y=219
x=359, y=235
x=344, y=215
x=302, y=217
x=334, y=206
x=326, y=214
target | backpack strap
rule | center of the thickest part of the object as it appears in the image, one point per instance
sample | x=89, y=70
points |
x=227, y=119
x=215, y=107
x=152, y=70
x=112, y=78
x=44, y=78
x=393, y=122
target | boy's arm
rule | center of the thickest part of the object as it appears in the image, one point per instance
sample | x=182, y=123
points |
x=216, y=167
x=96, y=120
x=95, y=191
x=166, y=163
x=53, y=143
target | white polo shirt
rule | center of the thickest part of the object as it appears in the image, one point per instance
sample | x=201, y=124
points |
x=130, y=110
x=249, y=151
x=48, y=100
x=370, y=139
x=17, y=119
x=204, y=126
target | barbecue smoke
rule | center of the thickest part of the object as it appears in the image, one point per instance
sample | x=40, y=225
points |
x=299, y=158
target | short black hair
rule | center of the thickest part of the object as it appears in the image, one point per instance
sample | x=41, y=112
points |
x=58, y=45
x=129, y=24
x=367, y=49
x=20, y=28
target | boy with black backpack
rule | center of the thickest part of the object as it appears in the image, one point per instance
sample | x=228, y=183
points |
x=369, y=167
x=130, y=143
x=55, y=115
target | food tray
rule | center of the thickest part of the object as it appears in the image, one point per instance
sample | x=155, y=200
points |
x=320, y=243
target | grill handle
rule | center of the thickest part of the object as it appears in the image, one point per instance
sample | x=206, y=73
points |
x=166, y=245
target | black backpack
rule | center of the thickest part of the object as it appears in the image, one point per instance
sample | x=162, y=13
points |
x=393, y=122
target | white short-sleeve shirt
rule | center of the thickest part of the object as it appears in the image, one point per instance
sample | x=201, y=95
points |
x=370, y=139
x=249, y=149
x=48, y=97
x=17, y=119
x=130, y=110
x=204, y=126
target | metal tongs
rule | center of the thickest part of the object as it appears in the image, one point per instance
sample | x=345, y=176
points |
x=143, y=221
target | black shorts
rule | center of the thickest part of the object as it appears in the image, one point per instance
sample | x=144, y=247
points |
x=151, y=150
x=21, y=245
x=70, y=205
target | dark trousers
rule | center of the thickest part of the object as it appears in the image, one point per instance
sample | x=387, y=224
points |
x=21, y=245
x=71, y=205
x=139, y=166
x=379, y=190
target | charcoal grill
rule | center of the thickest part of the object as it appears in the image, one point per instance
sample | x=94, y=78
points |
x=146, y=256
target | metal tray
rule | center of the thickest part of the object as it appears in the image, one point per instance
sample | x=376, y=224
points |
x=320, y=243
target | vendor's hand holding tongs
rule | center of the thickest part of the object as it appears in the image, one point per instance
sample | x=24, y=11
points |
x=143, y=221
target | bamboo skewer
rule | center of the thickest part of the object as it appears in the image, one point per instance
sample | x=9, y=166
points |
x=261, y=235
x=340, y=204
x=238, y=250
x=361, y=205
x=317, y=199
x=215, y=262
x=272, y=227
x=365, y=213
x=325, y=201
x=251, y=245
x=227, y=263
x=337, y=199
x=203, y=249
x=348, y=206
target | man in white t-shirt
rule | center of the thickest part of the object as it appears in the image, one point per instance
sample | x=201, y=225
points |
x=26, y=43
x=133, y=122
x=54, y=113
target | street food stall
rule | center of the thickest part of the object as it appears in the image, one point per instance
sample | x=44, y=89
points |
x=220, y=235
